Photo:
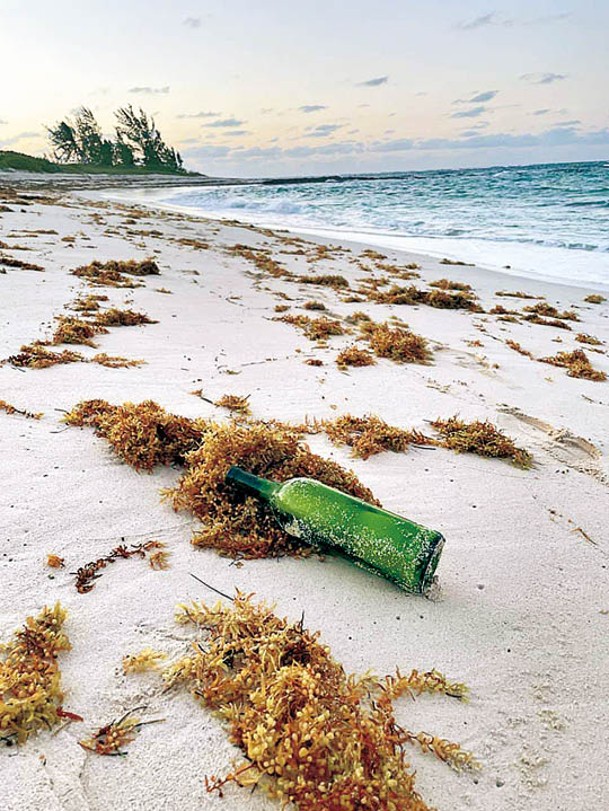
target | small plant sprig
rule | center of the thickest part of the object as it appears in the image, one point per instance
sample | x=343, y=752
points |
x=86, y=575
x=110, y=739
x=11, y=409
x=143, y=661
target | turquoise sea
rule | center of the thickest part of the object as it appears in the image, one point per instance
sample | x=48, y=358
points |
x=549, y=221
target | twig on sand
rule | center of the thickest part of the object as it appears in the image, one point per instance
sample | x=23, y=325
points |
x=221, y=593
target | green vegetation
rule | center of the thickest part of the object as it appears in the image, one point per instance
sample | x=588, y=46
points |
x=138, y=142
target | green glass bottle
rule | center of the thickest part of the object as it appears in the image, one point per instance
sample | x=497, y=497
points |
x=382, y=542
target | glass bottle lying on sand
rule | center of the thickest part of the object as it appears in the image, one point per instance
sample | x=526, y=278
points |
x=377, y=540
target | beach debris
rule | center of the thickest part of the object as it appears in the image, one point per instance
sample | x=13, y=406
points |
x=314, y=362
x=54, y=561
x=88, y=304
x=448, y=284
x=482, y=439
x=142, y=435
x=441, y=299
x=147, y=659
x=235, y=403
x=314, y=305
x=354, y=356
x=446, y=261
x=76, y=331
x=30, y=679
x=518, y=348
x=87, y=574
x=281, y=308
x=159, y=561
x=37, y=356
x=397, y=343
x=545, y=310
x=262, y=259
x=311, y=735
x=516, y=294
x=112, y=273
x=333, y=280
x=233, y=523
x=116, y=361
x=122, y=318
x=595, y=298
x=369, y=435
x=583, y=338
x=11, y=262
x=577, y=364
x=315, y=329
x=111, y=738
x=381, y=542
x=163, y=290
x=11, y=409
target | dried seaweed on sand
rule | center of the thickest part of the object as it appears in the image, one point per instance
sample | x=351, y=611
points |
x=311, y=735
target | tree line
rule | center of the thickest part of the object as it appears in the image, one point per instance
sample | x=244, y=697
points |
x=137, y=142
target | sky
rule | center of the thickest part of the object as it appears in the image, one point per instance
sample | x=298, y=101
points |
x=252, y=88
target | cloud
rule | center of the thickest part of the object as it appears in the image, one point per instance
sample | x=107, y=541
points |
x=312, y=108
x=478, y=98
x=478, y=22
x=322, y=130
x=192, y=22
x=150, y=91
x=379, y=80
x=469, y=141
x=543, y=111
x=488, y=95
x=204, y=114
x=492, y=18
x=225, y=122
x=2, y=121
x=543, y=78
x=207, y=151
x=233, y=133
x=21, y=136
x=474, y=112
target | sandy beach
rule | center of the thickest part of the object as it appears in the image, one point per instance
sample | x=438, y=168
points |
x=522, y=612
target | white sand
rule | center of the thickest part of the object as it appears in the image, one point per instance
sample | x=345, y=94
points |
x=523, y=614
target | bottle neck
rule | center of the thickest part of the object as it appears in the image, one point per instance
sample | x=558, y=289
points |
x=253, y=485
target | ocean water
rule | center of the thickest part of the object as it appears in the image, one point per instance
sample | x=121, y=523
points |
x=547, y=221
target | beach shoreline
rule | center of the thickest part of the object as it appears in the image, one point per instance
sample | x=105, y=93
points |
x=522, y=615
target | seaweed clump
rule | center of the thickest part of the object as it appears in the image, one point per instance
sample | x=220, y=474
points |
x=37, y=356
x=142, y=435
x=333, y=280
x=311, y=735
x=236, y=524
x=448, y=284
x=481, y=438
x=371, y=435
x=315, y=329
x=397, y=343
x=595, y=298
x=76, y=331
x=235, y=402
x=30, y=679
x=584, y=338
x=438, y=298
x=354, y=356
x=122, y=318
x=578, y=365
x=112, y=273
